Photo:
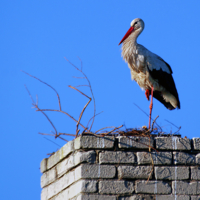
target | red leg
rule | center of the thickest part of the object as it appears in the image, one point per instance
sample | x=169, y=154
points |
x=151, y=106
x=147, y=93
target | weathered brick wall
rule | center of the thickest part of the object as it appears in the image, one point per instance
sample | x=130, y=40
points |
x=117, y=168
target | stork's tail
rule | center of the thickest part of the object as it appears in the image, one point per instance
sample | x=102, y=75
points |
x=167, y=104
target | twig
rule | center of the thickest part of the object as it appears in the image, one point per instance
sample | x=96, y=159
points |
x=83, y=108
x=29, y=94
x=52, y=141
x=113, y=130
x=81, y=63
x=61, y=112
x=172, y=123
x=50, y=154
x=88, y=133
x=104, y=128
x=146, y=114
x=177, y=130
x=36, y=106
x=46, y=134
x=84, y=130
x=49, y=121
x=92, y=118
x=154, y=122
x=80, y=70
x=68, y=134
x=141, y=109
x=42, y=111
x=47, y=85
x=77, y=132
x=63, y=139
x=150, y=171
x=150, y=154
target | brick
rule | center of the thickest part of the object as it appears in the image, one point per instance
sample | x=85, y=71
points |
x=172, y=173
x=173, y=143
x=135, y=142
x=94, y=142
x=74, y=159
x=172, y=197
x=159, y=158
x=77, y=188
x=195, y=197
x=196, y=143
x=183, y=187
x=116, y=157
x=116, y=187
x=73, y=172
x=152, y=187
x=48, y=177
x=62, y=183
x=95, y=171
x=198, y=159
x=60, y=154
x=134, y=172
x=138, y=197
x=94, y=197
x=157, y=197
x=195, y=173
x=82, y=171
x=64, y=166
x=183, y=158
x=98, y=171
x=43, y=165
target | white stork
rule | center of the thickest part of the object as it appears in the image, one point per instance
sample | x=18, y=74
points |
x=149, y=70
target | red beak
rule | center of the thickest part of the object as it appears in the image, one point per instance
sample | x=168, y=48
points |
x=130, y=30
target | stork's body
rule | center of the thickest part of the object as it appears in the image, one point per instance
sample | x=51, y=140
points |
x=149, y=70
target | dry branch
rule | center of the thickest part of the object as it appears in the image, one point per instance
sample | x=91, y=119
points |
x=113, y=130
x=104, y=128
x=154, y=122
x=145, y=114
x=77, y=130
x=43, y=110
x=63, y=113
x=47, y=134
x=80, y=70
x=177, y=131
x=56, y=134
x=172, y=124
x=93, y=117
x=38, y=109
x=47, y=85
x=134, y=132
x=68, y=134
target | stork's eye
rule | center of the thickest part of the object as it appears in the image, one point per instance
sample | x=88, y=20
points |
x=135, y=23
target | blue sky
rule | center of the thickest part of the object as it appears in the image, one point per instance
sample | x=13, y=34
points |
x=37, y=35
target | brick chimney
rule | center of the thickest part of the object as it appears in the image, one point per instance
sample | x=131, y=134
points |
x=117, y=168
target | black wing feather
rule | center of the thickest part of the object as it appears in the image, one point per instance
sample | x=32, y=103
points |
x=166, y=80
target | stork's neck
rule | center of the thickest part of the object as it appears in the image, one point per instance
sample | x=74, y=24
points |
x=130, y=45
x=132, y=39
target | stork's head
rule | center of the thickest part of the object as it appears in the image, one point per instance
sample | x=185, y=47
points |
x=137, y=26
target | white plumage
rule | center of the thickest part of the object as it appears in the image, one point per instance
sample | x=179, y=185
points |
x=149, y=70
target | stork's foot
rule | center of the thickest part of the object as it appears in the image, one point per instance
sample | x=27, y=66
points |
x=147, y=93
